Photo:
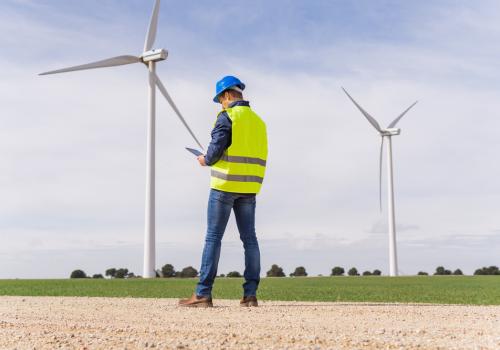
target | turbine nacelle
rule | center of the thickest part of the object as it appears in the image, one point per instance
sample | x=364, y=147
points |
x=154, y=55
x=390, y=132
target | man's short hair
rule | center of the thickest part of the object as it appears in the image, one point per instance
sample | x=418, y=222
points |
x=235, y=92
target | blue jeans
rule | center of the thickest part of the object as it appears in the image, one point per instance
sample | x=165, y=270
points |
x=220, y=205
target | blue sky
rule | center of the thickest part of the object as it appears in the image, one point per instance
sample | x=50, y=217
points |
x=73, y=145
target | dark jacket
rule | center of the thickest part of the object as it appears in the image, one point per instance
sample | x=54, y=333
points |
x=221, y=135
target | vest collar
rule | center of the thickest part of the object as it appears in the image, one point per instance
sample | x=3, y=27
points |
x=239, y=103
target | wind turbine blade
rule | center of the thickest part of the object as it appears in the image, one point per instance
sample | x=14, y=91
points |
x=164, y=92
x=380, y=172
x=395, y=121
x=365, y=113
x=109, y=62
x=153, y=27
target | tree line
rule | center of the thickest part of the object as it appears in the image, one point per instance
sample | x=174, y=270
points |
x=168, y=271
x=121, y=273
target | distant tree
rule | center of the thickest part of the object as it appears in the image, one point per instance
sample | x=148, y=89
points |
x=458, y=272
x=299, y=272
x=222, y=275
x=320, y=275
x=78, y=274
x=97, y=275
x=168, y=271
x=187, y=272
x=422, y=273
x=110, y=272
x=121, y=273
x=492, y=270
x=440, y=270
x=353, y=272
x=234, y=274
x=367, y=273
x=376, y=272
x=131, y=275
x=337, y=271
x=275, y=271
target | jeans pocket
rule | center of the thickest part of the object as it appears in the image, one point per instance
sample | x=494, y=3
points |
x=221, y=196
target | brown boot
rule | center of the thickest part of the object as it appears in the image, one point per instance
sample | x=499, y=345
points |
x=196, y=301
x=249, y=301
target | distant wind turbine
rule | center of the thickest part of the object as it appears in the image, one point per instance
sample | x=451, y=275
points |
x=387, y=133
x=149, y=57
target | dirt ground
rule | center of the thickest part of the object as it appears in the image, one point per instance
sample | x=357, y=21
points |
x=131, y=323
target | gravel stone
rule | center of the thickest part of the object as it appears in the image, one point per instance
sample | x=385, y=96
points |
x=135, y=323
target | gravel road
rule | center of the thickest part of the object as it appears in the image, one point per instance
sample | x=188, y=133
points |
x=132, y=323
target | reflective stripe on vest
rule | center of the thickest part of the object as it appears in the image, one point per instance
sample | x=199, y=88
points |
x=247, y=160
x=242, y=167
x=240, y=178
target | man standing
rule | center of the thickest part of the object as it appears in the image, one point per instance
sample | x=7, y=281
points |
x=237, y=155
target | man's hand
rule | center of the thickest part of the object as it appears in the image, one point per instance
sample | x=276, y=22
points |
x=201, y=160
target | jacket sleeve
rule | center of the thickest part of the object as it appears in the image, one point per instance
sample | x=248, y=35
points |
x=221, y=139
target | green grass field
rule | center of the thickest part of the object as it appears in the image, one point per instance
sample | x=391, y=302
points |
x=478, y=290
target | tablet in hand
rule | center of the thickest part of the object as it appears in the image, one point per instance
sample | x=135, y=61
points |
x=194, y=151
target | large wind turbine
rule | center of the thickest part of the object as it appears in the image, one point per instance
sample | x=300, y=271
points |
x=149, y=57
x=387, y=133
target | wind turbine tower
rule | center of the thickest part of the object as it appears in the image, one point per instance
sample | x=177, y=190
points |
x=150, y=57
x=387, y=134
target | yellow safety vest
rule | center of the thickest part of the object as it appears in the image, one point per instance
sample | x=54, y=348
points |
x=242, y=167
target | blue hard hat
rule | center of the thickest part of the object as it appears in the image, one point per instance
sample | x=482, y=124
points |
x=225, y=84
